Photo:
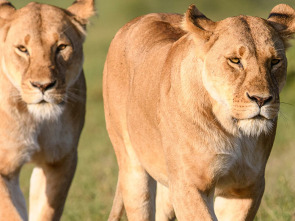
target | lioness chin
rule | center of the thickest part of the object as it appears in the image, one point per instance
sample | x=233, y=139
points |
x=42, y=95
x=192, y=104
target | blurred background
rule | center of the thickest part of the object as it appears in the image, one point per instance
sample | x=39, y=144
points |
x=90, y=197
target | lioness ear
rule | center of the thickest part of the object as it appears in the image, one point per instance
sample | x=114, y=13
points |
x=282, y=18
x=84, y=9
x=197, y=23
x=200, y=27
x=6, y=9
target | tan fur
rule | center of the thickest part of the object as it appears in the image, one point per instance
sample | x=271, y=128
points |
x=42, y=95
x=180, y=112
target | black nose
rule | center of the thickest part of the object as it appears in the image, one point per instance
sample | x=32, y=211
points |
x=260, y=100
x=43, y=86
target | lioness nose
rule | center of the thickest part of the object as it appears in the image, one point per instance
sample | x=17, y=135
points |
x=260, y=100
x=43, y=86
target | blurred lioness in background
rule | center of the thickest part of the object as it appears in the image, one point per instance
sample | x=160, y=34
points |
x=42, y=95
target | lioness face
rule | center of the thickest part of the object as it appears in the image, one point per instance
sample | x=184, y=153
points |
x=42, y=57
x=245, y=70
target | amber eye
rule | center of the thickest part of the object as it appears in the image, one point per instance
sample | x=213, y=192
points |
x=275, y=61
x=22, y=48
x=235, y=60
x=61, y=47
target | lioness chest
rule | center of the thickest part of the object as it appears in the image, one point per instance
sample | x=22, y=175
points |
x=28, y=141
x=242, y=164
x=55, y=140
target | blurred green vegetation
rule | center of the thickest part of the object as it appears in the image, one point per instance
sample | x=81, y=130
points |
x=92, y=191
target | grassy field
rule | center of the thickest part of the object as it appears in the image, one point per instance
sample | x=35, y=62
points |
x=91, y=194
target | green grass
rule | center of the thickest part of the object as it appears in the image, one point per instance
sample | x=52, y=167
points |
x=92, y=191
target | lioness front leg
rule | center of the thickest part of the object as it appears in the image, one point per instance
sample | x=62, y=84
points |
x=138, y=191
x=191, y=203
x=49, y=187
x=12, y=206
x=164, y=207
x=239, y=204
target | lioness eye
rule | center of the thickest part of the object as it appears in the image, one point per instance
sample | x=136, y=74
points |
x=22, y=48
x=235, y=60
x=61, y=47
x=275, y=61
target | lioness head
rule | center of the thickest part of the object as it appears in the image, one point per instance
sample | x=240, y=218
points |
x=244, y=64
x=41, y=52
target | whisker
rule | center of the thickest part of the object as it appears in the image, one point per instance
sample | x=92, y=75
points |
x=73, y=97
x=287, y=103
x=76, y=92
x=76, y=89
x=283, y=116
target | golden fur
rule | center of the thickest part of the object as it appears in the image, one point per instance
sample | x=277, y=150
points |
x=193, y=104
x=42, y=95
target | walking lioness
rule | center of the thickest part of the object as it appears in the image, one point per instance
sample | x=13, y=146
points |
x=42, y=96
x=193, y=104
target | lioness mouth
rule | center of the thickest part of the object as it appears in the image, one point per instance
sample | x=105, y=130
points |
x=43, y=101
x=46, y=102
x=259, y=117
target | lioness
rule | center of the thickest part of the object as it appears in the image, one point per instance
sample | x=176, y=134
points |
x=42, y=95
x=193, y=104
